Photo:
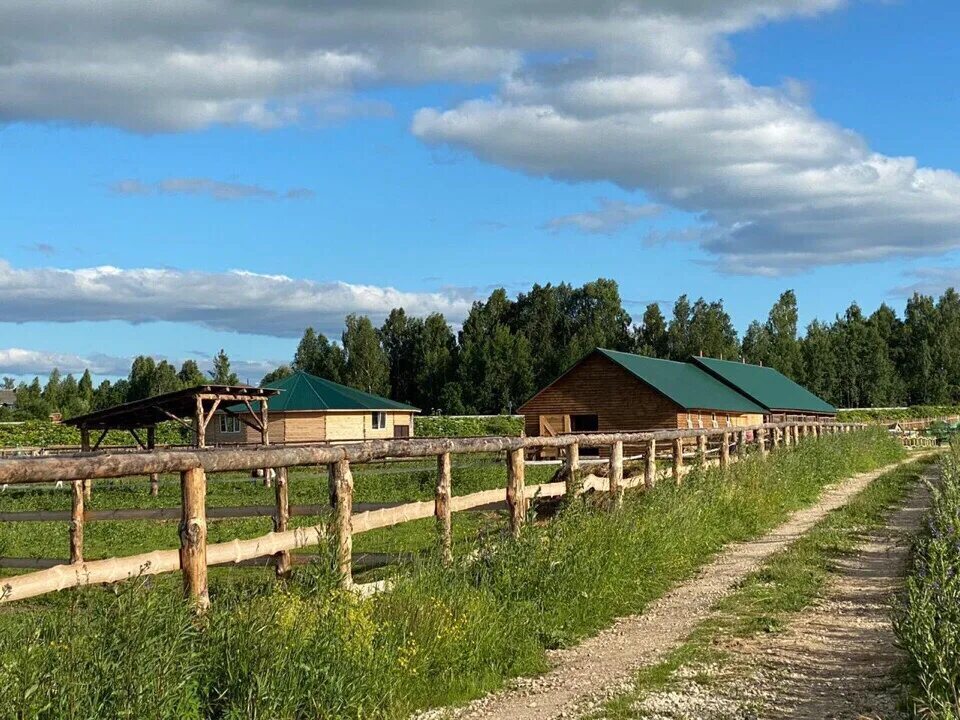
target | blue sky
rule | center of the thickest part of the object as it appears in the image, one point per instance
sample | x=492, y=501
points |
x=700, y=152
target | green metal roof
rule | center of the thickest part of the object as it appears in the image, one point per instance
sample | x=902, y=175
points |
x=687, y=385
x=765, y=386
x=303, y=391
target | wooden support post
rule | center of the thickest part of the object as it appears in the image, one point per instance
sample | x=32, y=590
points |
x=702, y=449
x=151, y=446
x=85, y=447
x=201, y=422
x=677, y=466
x=265, y=437
x=741, y=444
x=76, y=522
x=193, y=536
x=762, y=441
x=343, y=487
x=725, y=451
x=774, y=438
x=650, y=470
x=616, y=475
x=281, y=492
x=441, y=508
x=516, y=504
x=572, y=472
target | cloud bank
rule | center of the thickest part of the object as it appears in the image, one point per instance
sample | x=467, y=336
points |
x=639, y=93
x=25, y=363
x=236, y=301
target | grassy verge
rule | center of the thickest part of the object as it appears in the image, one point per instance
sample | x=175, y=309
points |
x=927, y=621
x=306, y=649
x=786, y=584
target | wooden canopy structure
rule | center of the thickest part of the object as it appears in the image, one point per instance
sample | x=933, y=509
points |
x=193, y=408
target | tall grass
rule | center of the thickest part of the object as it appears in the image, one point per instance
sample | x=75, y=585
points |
x=927, y=621
x=308, y=650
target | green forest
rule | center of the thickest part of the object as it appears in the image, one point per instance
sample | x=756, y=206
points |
x=507, y=348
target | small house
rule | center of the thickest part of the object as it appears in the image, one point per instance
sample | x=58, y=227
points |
x=609, y=391
x=310, y=409
x=780, y=397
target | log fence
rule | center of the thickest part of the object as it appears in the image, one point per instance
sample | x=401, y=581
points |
x=340, y=519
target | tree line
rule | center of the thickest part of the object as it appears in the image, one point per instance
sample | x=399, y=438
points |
x=507, y=348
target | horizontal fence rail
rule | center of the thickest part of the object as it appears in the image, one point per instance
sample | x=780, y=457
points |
x=341, y=518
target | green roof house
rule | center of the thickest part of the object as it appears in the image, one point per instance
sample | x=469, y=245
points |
x=780, y=397
x=310, y=409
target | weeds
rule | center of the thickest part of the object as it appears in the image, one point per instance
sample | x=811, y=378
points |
x=927, y=621
x=307, y=649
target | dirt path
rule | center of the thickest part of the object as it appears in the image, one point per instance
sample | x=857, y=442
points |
x=602, y=666
x=836, y=659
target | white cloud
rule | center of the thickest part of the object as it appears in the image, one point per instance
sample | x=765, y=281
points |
x=639, y=93
x=611, y=217
x=237, y=300
x=28, y=363
x=216, y=189
x=929, y=281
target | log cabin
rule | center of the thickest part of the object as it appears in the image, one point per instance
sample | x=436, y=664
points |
x=310, y=409
x=609, y=391
x=780, y=397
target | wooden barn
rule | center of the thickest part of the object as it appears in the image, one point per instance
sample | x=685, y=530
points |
x=610, y=391
x=780, y=397
x=310, y=409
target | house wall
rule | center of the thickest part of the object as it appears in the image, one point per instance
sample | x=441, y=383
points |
x=308, y=426
x=711, y=419
x=247, y=434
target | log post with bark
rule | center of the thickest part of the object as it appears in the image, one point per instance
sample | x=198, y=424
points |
x=616, y=474
x=343, y=489
x=193, y=536
x=725, y=450
x=572, y=475
x=650, y=467
x=677, y=465
x=441, y=508
x=281, y=492
x=516, y=503
x=76, y=522
x=151, y=446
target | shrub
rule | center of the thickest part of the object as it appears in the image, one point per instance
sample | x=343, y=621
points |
x=469, y=425
x=927, y=618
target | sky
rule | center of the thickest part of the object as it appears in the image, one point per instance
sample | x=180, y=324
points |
x=180, y=177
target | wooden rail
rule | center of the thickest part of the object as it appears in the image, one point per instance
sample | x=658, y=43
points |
x=340, y=521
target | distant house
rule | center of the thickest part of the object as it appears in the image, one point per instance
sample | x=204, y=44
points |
x=311, y=409
x=609, y=391
x=8, y=398
x=781, y=398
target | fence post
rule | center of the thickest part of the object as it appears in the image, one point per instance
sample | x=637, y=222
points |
x=343, y=490
x=741, y=444
x=516, y=504
x=774, y=438
x=650, y=469
x=193, y=536
x=76, y=522
x=725, y=450
x=281, y=517
x=762, y=441
x=441, y=508
x=572, y=471
x=677, y=467
x=702, y=448
x=616, y=474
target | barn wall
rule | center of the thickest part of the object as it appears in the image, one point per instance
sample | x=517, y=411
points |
x=599, y=386
x=712, y=419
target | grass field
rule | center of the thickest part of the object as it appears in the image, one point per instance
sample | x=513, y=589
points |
x=305, y=649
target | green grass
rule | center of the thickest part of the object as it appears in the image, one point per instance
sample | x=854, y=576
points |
x=927, y=621
x=786, y=584
x=305, y=649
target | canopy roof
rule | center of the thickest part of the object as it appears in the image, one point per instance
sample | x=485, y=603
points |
x=765, y=386
x=687, y=385
x=176, y=404
x=303, y=391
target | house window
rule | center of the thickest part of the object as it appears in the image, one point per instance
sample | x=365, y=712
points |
x=229, y=424
x=379, y=420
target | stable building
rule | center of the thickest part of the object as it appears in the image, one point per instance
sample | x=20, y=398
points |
x=780, y=397
x=609, y=391
x=310, y=409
